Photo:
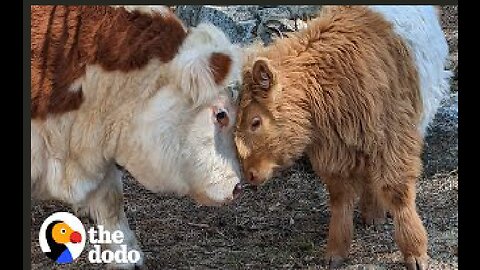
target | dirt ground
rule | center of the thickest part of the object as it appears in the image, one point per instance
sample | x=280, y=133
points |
x=282, y=225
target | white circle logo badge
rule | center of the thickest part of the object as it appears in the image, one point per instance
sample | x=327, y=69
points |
x=62, y=237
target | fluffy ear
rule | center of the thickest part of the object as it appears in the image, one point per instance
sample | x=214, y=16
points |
x=205, y=65
x=220, y=65
x=263, y=74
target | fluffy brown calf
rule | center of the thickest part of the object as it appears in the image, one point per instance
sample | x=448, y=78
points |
x=354, y=92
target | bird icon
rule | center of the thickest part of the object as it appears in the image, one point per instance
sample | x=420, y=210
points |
x=58, y=234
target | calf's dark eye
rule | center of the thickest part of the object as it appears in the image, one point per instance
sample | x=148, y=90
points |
x=221, y=116
x=256, y=122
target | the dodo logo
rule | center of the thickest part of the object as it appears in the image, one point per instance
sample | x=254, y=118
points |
x=62, y=237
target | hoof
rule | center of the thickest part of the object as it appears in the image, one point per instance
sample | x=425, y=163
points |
x=335, y=262
x=369, y=221
x=416, y=263
x=374, y=218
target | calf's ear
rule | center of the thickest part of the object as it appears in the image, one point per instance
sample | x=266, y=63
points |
x=220, y=66
x=206, y=64
x=202, y=73
x=263, y=73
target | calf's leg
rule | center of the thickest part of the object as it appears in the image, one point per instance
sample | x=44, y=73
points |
x=396, y=185
x=371, y=206
x=105, y=206
x=342, y=192
x=340, y=229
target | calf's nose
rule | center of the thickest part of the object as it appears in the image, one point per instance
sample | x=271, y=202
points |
x=237, y=190
x=252, y=176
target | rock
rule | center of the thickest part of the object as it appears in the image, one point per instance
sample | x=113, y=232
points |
x=247, y=23
x=289, y=11
x=188, y=14
x=280, y=12
x=304, y=11
x=271, y=29
x=238, y=22
x=275, y=21
x=441, y=143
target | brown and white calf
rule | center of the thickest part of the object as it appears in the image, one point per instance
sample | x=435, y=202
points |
x=355, y=92
x=134, y=87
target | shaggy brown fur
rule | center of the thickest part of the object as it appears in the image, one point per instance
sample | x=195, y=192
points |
x=345, y=92
x=65, y=39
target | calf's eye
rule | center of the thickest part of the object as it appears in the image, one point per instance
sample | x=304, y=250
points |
x=256, y=123
x=222, y=118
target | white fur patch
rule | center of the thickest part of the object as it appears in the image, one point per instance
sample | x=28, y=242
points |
x=146, y=9
x=37, y=155
x=76, y=85
x=420, y=28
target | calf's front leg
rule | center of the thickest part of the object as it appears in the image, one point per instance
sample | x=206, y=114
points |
x=340, y=229
x=105, y=206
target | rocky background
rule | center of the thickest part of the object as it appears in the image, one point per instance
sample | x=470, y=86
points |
x=284, y=224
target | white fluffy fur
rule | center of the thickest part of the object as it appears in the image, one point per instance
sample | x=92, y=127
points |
x=199, y=160
x=147, y=9
x=191, y=68
x=76, y=85
x=420, y=27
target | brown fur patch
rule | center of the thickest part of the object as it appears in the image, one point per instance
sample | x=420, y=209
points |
x=220, y=65
x=346, y=94
x=65, y=39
